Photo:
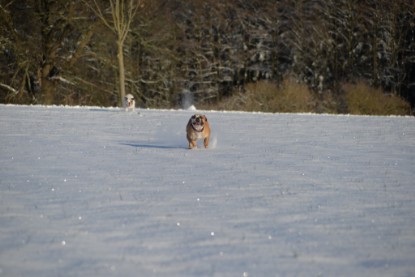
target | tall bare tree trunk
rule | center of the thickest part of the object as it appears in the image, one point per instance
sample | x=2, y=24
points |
x=122, y=12
x=121, y=71
x=48, y=90
x=48, y=54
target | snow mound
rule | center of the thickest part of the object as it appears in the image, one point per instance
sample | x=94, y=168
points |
x=191, y=108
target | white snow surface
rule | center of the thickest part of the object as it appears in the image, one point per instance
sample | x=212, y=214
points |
x=92, y=191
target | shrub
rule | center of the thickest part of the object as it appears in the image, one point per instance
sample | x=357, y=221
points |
x=267, y=96
x=363, y=99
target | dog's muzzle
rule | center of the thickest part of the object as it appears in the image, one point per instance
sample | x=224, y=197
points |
x=197, y=123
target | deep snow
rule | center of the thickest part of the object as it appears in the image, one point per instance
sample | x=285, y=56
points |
x=102, y=192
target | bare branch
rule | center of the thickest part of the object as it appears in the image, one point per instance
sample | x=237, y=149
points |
x=14, y=91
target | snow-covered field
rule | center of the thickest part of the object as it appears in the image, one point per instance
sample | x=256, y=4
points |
x=101, y=192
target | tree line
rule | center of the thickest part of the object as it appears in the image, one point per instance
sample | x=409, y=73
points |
x=68, y=52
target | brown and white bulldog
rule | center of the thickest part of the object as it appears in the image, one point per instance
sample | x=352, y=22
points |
x=198, y=128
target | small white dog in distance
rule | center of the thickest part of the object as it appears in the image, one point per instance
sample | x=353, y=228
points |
x=129, y=102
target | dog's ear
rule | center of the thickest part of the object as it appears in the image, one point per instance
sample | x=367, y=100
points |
x=204, y=117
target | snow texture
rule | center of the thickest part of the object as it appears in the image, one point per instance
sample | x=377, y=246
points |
x=88, y=191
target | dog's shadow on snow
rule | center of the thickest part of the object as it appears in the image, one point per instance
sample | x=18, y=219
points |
x=153, y=145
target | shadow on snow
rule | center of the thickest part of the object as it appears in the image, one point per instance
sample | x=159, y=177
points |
x=153, y=146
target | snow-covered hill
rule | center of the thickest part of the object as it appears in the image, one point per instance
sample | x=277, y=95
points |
x=102, y=192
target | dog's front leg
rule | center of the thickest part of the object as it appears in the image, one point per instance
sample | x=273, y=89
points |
x=206, y=142
x=192, y=144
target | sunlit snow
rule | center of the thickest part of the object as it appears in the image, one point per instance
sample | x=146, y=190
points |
x=101, y=192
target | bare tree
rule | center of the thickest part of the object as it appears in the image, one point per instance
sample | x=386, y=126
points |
x=122, y=13
x=36, y=39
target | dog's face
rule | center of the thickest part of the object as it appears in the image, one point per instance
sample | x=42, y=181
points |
x=129, y=101
x=198, y=121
